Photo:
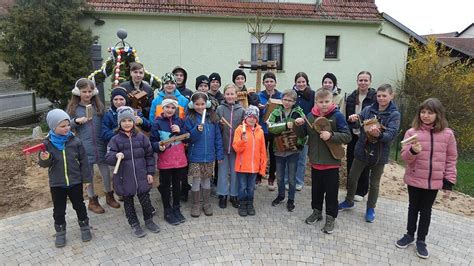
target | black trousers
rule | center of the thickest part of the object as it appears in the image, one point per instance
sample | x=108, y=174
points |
x=271, y=172
x=170, y=181
x=420, y=202
x=325, y=186
x=363, y=183
x=59, y=196
x=129, y=207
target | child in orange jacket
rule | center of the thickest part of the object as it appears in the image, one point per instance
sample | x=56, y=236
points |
x=251, y=158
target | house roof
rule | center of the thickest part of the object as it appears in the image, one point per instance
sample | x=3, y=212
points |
x=459, y=34
x=442, y=35
x=465, y=45
x=363, y=10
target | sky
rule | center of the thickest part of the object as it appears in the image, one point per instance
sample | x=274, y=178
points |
x=430, y=16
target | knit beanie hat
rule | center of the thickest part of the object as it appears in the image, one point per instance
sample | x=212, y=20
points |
x=269, y=75
x=238, y=72
x=202, y=79
x=251, y=111
x=168, y=77
x=56, y=116
x=215, y=76
x=124, y=112
x=122, y=92
x=165, y=102
x=331, y=76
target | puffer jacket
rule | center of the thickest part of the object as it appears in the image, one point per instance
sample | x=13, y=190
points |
x=90, y=134
x=252, y=154
x=156, y=108
x=264, y=97
x=435, y=166
x=174, y=156
x=352, y=99
x=110, y=124
x=234, y=114
x=377, y=153
x=67, y=167
x=138, y=162
x=205, y=146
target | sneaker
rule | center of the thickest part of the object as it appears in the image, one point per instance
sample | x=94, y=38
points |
x=287, y=186
x=299, y=187
x=170, y=217
x=370, y=215
x=358, y=198
x=150, y=225
x=405, y=241
x=421, y=250
x=290, y=205
x=137, y=231
x=314, y=217
x=329, y=225
x=271, y=186
x=345, y=205
x=279, y=200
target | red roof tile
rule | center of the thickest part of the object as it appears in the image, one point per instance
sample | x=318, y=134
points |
x=365, y=10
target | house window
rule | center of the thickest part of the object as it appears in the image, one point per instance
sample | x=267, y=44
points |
x=272, y=49
x=332, y=47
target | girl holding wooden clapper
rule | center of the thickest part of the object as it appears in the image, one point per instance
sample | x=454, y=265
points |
x=431, y=165
x=85, y=100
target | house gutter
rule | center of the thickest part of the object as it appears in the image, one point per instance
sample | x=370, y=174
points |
x=390, y=37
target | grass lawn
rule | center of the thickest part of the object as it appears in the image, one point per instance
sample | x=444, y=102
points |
x=465, y=182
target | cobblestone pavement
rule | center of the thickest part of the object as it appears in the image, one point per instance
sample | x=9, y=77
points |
x=273, y=236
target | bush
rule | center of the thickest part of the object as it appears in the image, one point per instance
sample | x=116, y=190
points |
x=430, y=73
x=44, y=46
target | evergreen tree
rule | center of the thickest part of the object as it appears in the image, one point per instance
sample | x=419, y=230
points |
x=44, y=46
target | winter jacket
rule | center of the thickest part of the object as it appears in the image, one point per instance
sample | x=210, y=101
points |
x=90, y=134
x=174, y=156
x=205, y=146
x=144, y=86
x=263, y=97
x=110, y=124
x=318, y=151
x=138, y=162
x=234, y=114
x=67, y=167
x=156, y=108
x=354, y=97
x=277, y=123
x=377, y=153
x=252, y=154
x=435, y=166
x=305, y=99
x=218, y=96
x=187, y=93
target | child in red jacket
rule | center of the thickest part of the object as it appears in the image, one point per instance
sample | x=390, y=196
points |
x=431, y=166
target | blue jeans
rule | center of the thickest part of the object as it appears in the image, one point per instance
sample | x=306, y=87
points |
x=301, y=169
x=246, y=186
x=226, y=167
x=287, y=165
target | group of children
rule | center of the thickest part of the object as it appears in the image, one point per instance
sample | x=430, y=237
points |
x=190, y=133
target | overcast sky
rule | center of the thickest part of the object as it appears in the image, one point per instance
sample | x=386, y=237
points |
x=430, y=16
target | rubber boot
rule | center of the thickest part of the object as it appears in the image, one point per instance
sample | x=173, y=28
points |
x=196, y=203
x=85, y=230
x=94, y=205
x=206, y=206
x=60, y=240
x=110, y=200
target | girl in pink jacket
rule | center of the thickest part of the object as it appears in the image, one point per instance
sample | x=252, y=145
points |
x=431, y=166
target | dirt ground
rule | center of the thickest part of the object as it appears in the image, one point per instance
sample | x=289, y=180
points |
x=25, y=188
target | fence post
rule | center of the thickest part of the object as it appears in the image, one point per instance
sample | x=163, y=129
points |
x=33, y=102
x=96, y=56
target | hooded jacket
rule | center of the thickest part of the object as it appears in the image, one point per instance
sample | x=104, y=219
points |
x=205, y=146
x=110, y=124
x=278, y=123
x=251, y=156
x=234, y=114
x=156, y=108
x=435, y=166
x=182, y=89
x=138, y=162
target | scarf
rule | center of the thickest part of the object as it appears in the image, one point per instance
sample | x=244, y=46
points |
x=58, y=141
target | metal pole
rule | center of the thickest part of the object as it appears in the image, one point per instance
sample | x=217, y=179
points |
x=33, y=102
x=96, y=56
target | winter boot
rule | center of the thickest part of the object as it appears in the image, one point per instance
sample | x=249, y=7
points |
x=110, y=200
x=234, y=201
x=243, y=208
x=60, y=235
x=196, y=203
x=85, y=230
x=222, y=201
x=206, y=206
x=170, y=217
x=250, y=208
x=94, y=205
x=177, y=213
